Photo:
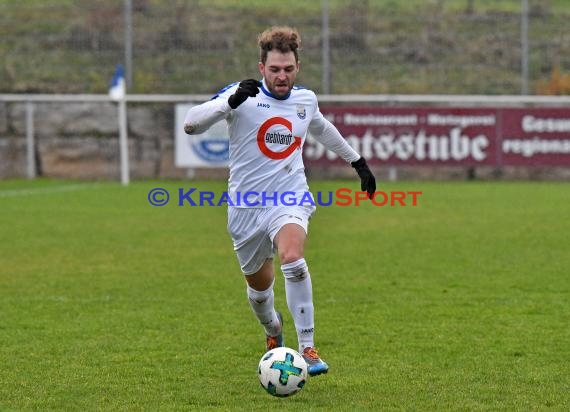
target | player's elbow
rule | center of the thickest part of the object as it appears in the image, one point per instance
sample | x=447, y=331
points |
x=189, y=128
x=316, y=132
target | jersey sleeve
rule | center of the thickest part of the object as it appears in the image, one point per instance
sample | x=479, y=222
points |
x=328, y=135
x=201, y=117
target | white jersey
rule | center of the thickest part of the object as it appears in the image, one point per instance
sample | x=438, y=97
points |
x=267, y=135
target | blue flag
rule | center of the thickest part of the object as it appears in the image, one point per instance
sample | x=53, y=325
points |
x=118, y=87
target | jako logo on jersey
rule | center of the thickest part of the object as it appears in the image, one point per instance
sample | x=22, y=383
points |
x=265, y=105
x=301, y=112
x=262, y=141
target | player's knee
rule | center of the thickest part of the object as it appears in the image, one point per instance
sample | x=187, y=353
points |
x=259, y=296
x=295, y=271
x=290, y=256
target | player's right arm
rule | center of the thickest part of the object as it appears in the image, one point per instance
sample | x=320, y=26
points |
x=200, y=118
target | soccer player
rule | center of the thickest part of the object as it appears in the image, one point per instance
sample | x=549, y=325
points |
x=268, y=122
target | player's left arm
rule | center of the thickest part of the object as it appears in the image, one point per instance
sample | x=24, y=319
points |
x=329, y=136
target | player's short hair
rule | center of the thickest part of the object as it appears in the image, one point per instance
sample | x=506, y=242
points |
x=281, y=38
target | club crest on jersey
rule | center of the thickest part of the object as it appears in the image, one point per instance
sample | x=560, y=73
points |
x=301, y=112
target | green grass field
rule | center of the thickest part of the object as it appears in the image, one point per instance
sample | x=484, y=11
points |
x=461, y=303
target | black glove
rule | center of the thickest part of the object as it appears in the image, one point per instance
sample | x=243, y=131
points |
x=367, y=180
x=247, y=88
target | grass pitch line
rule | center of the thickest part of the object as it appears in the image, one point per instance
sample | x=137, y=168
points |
x=46, y=190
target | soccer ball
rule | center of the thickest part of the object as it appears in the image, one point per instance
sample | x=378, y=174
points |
x=282, y=372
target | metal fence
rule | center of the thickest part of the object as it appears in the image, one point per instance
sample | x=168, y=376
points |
x=88, y=136
x=353, y=46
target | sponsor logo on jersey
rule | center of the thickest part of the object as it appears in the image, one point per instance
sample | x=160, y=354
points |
x=265, y=137
x=279, y=138
x=264, y=105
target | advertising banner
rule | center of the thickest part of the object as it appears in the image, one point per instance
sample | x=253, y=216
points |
x=535, y=137
x=415, y=136
x=450, y=136
x=209, y=149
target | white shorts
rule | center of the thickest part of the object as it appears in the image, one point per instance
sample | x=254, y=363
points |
x=253, y=230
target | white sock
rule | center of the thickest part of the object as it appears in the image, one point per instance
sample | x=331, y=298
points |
x=262, y=304
x=299, y=292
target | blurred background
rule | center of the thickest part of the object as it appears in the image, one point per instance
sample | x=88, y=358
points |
x=195, y=47
x=374, y=46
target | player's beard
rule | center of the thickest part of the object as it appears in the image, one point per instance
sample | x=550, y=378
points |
x=281, y=89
